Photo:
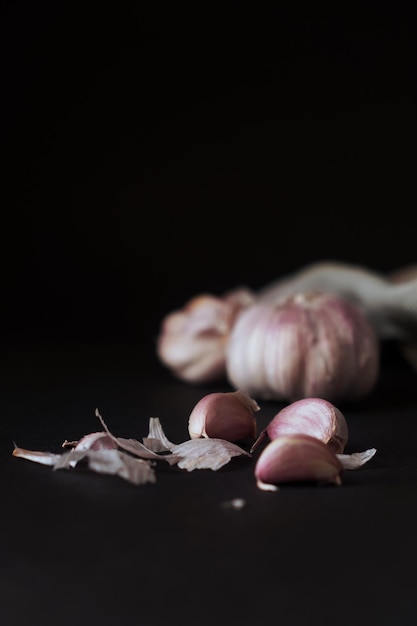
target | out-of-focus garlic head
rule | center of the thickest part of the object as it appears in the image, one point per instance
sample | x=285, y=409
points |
x=224, y=415
x=308, y=344
x=310, y=416
x=192, y=340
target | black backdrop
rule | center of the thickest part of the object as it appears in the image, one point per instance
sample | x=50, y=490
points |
x=152, y=153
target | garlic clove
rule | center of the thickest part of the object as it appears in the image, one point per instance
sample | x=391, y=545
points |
x=307, y=344
x=192, y=340
x=297, y=458
x=311, y=416
x=224, y=415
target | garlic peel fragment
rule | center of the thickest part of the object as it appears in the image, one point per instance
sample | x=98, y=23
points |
x=235, y=503
x=93, y=441
x=110, y=461
x=200, y=453
x=37, y=456
x=190, y=454
x=104, y=461
x=206, y=453
x=356, y=459
x=156, y=440
x=132, y=460
x=135, y=447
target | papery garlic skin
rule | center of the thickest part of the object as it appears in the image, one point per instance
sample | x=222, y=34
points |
x=192, y=340
x=311, y=416
x=308, y=344
x=224, y=415
x=292, y=458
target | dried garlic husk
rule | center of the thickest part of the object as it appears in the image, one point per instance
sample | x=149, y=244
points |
x=291, y=458
x=93, y=441
x=310, y=416
x=225, y=415
x=200, y=453
x=191, y=341
x=308, y=344
x=132, y=460
x=102, y=460
x=356, y=459
x=203, y=453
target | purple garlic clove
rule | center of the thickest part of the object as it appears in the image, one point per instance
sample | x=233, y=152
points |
x=297, y=458
x=224, y=415
x=310, y=416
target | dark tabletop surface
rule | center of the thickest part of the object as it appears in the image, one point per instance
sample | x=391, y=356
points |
x=78, y=545
x=153, y=155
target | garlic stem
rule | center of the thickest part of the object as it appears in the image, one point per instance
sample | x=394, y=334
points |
x=390, y=305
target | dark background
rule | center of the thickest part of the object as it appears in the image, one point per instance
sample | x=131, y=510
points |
x=155, y=152
x=152, y=152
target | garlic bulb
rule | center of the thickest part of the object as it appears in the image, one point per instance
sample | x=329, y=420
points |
x=291, y=458
x=191, y=341
x=225, y=415
x=308, y=344
x=310, y=416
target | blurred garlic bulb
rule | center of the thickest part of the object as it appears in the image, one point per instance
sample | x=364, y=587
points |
x=291, y=458
x=224, y=415
x=310, y=416
x=308, y=344
x=191, y=341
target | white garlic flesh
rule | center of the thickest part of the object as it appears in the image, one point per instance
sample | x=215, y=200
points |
x=224, y=415
x=308, y=344
x=297, y=458
x=192, y=339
